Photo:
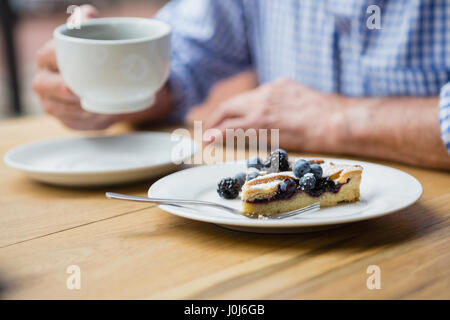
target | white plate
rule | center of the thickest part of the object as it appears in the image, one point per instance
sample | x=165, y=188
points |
x=383, y=190
x=94, y=161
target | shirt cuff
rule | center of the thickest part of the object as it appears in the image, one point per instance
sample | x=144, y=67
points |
x=444, y=115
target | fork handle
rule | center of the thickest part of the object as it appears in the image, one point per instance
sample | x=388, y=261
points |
x=112, y=195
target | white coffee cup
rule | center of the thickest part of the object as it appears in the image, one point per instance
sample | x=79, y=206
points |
x=115, y=65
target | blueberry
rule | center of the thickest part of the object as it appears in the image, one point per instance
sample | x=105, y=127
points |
x=254, y=162
x=277, y=161
x=252, y=175
x=240, y=177
x=301, y=167
x=307, y=182
x=228, y=188
x=316, y=170
x=287, y=187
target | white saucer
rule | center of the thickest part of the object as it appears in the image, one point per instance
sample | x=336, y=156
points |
x=94, y=161
x=383, y=190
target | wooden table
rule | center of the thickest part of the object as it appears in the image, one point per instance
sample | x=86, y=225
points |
x=133, y=251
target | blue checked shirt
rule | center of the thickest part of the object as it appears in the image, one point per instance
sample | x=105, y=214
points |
x=324, y=44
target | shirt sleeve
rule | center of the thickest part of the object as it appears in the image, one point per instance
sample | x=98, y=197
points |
x=208, y=43
x=444, y=115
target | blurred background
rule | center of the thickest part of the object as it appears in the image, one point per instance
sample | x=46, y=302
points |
x=26, y=25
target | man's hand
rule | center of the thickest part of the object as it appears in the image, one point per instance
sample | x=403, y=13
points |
x=59, y=101
x=308, y=119
x=56, y=98
x=404, y=129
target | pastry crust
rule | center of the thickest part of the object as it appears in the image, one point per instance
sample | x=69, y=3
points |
x=348, y=193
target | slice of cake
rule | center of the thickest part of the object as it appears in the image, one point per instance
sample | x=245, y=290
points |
x=280, y=185
x=284, y=191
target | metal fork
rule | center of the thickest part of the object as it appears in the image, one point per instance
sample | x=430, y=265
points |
x=181, y=202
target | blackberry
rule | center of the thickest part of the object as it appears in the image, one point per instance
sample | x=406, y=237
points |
x=307, y=182
x=228, y=188
x=277, y=161
x=324, y=185
x=254, y=162
x=240, y=177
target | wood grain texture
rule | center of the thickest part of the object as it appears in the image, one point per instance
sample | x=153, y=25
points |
x=137, y=251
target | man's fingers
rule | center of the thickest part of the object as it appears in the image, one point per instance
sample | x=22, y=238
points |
x=201, y=112
x=61, y=109
x=225, y=111
x=220, y=130
x=73, y=116
x=88, y=12
x=46, y=57
x=235, y=123
x=76, y=124
x=51, y=84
